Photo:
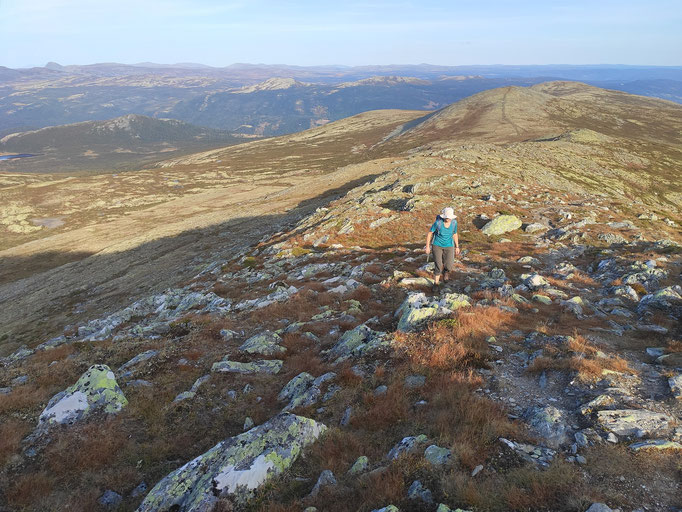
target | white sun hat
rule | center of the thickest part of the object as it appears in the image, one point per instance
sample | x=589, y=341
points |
x=448, y=213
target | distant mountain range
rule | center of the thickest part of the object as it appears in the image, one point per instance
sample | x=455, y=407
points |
x=266, y=100
x=124, y=142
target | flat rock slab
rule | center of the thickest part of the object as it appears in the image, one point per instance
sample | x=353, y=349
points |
x=234, y=467
x=633, y=422
x=265, y=344
x=271, y=366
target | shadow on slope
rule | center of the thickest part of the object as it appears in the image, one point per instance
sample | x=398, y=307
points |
x=45, y=292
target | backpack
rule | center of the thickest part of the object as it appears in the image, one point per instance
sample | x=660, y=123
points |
x=439, y=225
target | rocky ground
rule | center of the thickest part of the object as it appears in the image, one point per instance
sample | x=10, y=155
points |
x=543, y=376
x=318, y=369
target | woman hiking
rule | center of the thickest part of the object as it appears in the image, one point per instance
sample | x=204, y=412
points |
x=444, y=241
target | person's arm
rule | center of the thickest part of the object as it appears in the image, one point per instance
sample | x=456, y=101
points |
x=455, y=237
x=429, y=238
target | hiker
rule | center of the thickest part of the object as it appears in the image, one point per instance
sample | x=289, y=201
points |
x=441, y=236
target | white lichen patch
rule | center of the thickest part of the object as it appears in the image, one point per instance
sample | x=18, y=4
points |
x=231, y=478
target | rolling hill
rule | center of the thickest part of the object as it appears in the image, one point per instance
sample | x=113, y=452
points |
x=125, y=142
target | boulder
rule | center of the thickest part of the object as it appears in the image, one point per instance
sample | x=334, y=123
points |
x=235, y=467
x=96, y=391
x=549, y=423
x=502, y=224
x=270, y=366
x=264, y=344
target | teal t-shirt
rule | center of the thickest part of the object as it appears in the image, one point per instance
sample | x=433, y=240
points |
x=444, y=236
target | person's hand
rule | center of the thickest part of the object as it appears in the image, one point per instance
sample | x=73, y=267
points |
x=457, y=251
x=427, y=249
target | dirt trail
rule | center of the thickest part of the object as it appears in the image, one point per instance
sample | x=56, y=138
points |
x=108, y=265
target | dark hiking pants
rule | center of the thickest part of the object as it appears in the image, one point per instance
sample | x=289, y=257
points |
x=443, y=257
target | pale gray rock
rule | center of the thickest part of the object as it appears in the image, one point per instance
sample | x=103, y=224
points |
x=235, y=467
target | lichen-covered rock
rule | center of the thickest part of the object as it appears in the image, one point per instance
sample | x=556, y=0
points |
x=234, y=467
x=359, y=466
x=417, y=308
x=534, y=281
x=96, y=391
x=634, y=422
x=455, y=301
x=387, y=508
x=295, y=386
x=665, y=299
x=502, y=224
x=358, y=342
x=265, y=344
x=271, y=366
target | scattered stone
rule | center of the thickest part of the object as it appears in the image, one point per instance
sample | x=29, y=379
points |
x=96, y=391
x=598, y=507
x=530, y=453
x=408, y=445
x=437, y=455
x=380, y=390
x=5, y=391
x=139, y=358
x=248, y=423
x=415, y=381
x=326, y=479
x=227, y=334
x=270, y=366
x=139, y=490
x=234, y=467
x=655, y=351
x=542, y=299
x=611, y=238
x=110, y=499
x=139, y=383
x=347, y=414
x=502, y=224
x=19, y=381
x=477, y=470
x=675, y=384
x=528, y=260
x=535, y=227
x=388, y=508
x=418, y=492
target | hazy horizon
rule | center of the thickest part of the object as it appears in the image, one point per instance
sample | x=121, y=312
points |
x=355, y=33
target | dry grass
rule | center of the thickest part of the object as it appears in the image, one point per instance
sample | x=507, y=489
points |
x=454, y=344
x=579, y=356
x=12, y=431
x=30, y=488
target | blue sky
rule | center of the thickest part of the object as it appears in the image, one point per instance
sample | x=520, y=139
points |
x=218, y=33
